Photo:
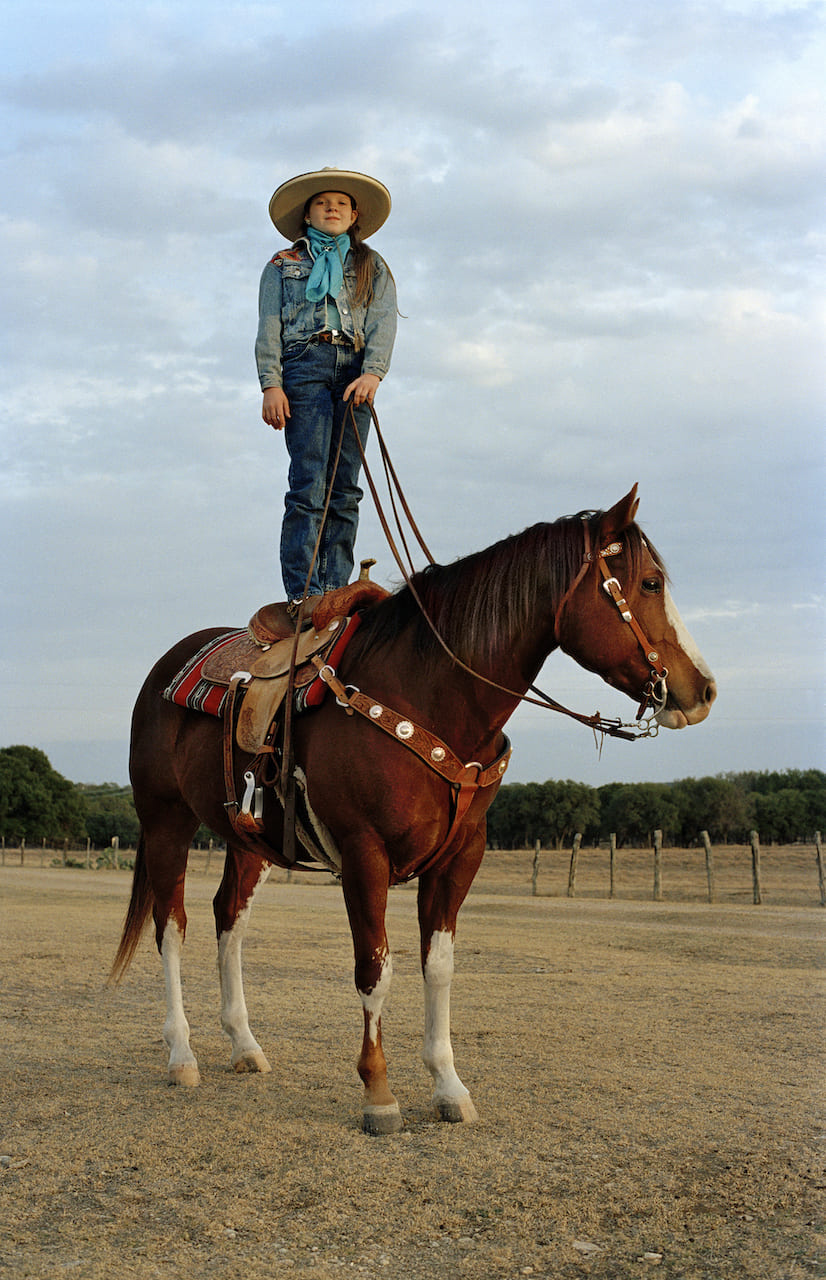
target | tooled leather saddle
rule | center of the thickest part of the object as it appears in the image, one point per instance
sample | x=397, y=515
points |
x=266, y=652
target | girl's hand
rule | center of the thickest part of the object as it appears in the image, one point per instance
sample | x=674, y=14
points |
x=276, y=408
x=363, y=389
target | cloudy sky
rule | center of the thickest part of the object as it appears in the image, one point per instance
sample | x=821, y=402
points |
x=607, y=235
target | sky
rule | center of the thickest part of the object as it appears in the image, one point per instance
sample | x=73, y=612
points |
x=608, y=240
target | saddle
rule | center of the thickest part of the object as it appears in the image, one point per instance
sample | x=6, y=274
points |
x=263, y=655
x=273, y=622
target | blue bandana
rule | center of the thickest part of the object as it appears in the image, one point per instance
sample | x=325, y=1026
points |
x=327, y=274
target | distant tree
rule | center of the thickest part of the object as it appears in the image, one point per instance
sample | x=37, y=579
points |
x=36, y=802
x=516, y=819
x=780, y=816
x=568, y=807
x=110, y=812
x=501, y=818
x=796, y=823
x=721, y=806
x=636, y=811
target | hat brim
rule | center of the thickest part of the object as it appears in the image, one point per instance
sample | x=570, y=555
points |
x=371, y=196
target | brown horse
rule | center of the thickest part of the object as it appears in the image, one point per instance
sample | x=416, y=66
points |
x=382, y=812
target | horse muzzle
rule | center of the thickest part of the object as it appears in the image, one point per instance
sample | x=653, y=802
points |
x=673, y=714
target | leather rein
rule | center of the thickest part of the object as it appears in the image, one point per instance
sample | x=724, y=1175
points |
x=655, y=690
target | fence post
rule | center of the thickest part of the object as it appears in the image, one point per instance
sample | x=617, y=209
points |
x=43, y=851
x=3, y=849
x=22, y=851
x=536, y=849
x=116, y=852
x=820, y=872
x=209, y=855
x=757, y=895
x=712, y=890
x=613, y=863
x=658, y=866
x=572, y=870
x=88, y=852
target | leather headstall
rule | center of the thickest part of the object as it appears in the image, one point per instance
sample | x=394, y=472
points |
x=655, y=690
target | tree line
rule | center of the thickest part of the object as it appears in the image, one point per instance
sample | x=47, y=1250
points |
x=784, y=807
x=38, y=804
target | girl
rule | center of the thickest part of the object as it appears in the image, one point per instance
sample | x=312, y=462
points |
x=327, y=323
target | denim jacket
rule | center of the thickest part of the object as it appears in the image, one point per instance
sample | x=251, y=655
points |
x=286, y=315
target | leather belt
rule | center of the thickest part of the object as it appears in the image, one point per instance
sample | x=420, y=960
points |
x=334, y=337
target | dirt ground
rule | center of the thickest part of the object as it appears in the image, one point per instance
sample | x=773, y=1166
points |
x=649, y=1079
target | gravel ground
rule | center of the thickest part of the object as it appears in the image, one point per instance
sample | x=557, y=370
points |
x=649, y=1079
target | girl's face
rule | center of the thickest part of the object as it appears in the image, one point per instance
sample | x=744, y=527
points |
x=331, y=211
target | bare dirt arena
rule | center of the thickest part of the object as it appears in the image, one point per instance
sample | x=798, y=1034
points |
x=649, y=1079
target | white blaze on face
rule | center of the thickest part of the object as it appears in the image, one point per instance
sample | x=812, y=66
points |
x=684, y=637
x=678, y=717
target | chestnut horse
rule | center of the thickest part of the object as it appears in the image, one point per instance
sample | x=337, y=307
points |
x=384, y=813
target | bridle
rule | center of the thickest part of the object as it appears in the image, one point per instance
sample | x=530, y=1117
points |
x=655, y=689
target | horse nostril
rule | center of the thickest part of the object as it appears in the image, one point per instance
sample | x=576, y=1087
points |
x=710, y=693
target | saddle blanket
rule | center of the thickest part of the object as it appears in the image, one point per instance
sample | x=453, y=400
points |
x=190, y=689
x=202, y=684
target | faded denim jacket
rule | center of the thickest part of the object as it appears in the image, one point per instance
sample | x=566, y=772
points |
x=285, y=315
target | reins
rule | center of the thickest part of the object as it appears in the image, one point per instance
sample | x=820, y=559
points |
x=615, y=727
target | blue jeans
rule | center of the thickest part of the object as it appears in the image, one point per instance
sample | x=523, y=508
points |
x=315, y=375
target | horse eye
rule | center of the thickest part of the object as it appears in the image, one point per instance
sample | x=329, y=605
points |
x=652, y=585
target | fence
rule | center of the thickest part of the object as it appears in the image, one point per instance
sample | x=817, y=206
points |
x=657, y=867
x=662, y=871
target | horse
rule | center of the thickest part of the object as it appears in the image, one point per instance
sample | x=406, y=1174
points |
x=451, y=653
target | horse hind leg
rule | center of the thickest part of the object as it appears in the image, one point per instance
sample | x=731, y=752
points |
x=243, y=876
x=183, y=1065
x=166, y=849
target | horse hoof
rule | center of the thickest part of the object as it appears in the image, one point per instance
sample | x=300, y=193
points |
x=187, y=1075
x=457, y=1112
x=250, y=1063
x=379, y=1121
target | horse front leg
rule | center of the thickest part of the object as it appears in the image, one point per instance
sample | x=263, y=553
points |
x=243, y=876
x=366, y=899
x=440, y=897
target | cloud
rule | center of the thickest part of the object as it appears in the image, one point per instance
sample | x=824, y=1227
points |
x=607, y=231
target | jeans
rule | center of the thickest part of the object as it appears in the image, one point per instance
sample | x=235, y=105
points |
x=315, y=375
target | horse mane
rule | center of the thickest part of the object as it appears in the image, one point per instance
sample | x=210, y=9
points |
x=482, y=601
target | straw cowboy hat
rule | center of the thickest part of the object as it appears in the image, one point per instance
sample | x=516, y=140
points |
x=371, y=196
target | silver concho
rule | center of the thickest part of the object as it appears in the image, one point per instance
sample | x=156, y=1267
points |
x=438, y=754
x=404, y=730
x=375, y=711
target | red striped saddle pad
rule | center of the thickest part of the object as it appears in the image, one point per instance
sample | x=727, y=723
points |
x=198, y=686
x=190, y=689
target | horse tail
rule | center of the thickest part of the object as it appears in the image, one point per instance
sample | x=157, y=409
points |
x=137, y=913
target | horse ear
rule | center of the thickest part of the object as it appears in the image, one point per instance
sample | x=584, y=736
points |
x=618, y=518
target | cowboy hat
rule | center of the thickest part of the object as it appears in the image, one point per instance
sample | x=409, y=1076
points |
x=371, y=197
